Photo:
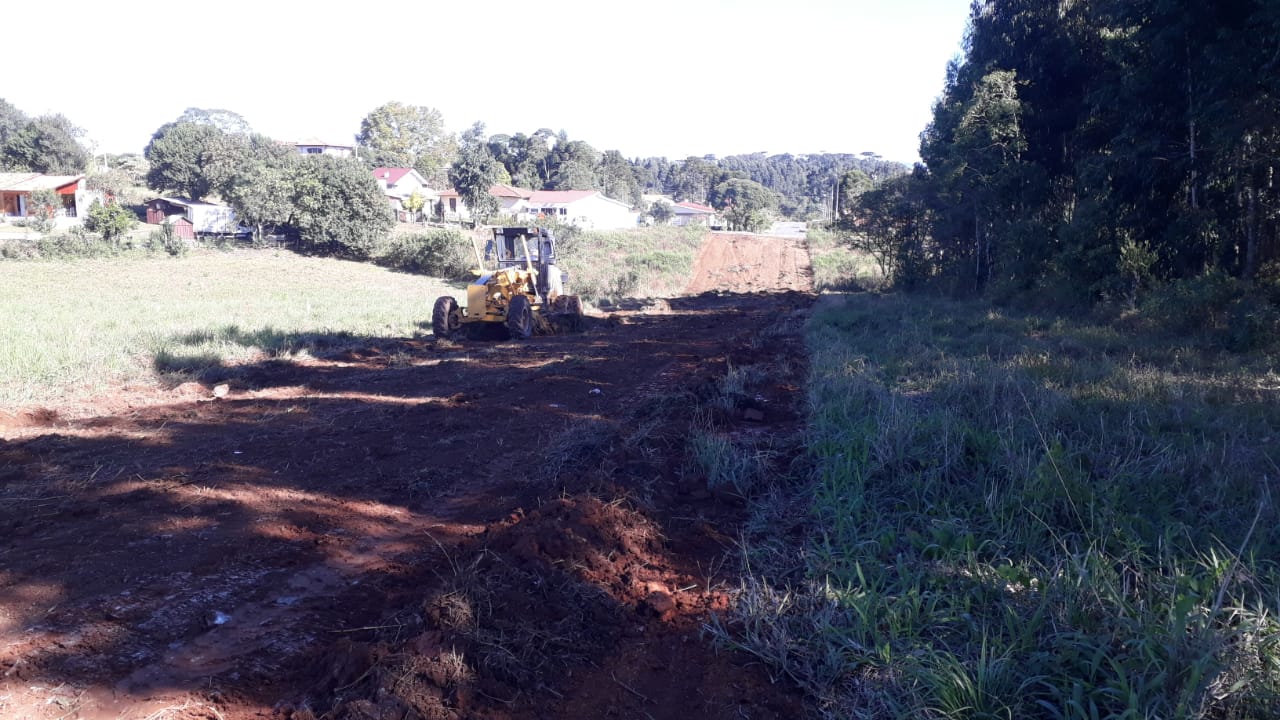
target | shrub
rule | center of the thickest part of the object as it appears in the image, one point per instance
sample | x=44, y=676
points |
x=112, y=221
x=164, y=239
x=440, y=253
x=75, y=243
x=1218, y=309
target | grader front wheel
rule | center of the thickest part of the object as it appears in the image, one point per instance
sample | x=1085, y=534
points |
x=520, y=317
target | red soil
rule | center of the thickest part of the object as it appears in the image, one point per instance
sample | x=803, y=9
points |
x=400, y=529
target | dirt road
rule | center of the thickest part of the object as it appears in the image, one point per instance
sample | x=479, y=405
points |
x=405, y=528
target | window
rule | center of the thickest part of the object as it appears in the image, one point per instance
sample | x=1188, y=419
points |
x=314, y=151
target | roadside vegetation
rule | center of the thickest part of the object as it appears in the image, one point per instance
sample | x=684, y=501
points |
x=93, y=325
x=607, y=266
x=837, y=265
x=1008, y=515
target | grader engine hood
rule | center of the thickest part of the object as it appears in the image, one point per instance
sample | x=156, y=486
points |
x=489, y=295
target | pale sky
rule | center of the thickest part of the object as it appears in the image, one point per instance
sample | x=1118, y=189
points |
x=658, y=78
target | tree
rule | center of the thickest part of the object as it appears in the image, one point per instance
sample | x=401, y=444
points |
x=474, y=172
x=399, y=135
x=661, y=212
x=42, y=208
x=338, y=207
x=181, y=155
x=47, y=144
x=746, y=204
x=617, y=180
x=224, y=120
x=414, y=204
x=262, y=188
x=11, y=121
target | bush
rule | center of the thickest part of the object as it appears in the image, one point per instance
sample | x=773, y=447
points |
x=439, y=253
x=75, y=243
x=112, y=221
x=164, y=239
x=1218, y=309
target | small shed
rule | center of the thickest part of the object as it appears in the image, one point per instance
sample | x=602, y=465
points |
x=205, y=218
x=182, y=228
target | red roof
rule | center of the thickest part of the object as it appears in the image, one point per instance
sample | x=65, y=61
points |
x=696, y=207
x=560, y=196
x=509, y=191
x=391, y=175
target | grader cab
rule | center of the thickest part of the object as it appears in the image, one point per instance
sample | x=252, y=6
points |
x=523, y=293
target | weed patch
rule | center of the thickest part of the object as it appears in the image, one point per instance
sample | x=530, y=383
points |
x=1024, y=517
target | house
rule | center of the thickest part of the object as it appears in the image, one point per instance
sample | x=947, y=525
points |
x=588, y=209
x=691, y=213
x=399, y=184
x=16, y=189
x=452, y=207
x=316, y=146
x=511, y=200
x=204, y=218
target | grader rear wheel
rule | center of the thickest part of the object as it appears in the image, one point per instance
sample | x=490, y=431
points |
x=446, y=318
x=573, y=312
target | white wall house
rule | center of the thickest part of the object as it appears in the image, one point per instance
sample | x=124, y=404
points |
x=399, y=184
x=74, y=198
x=511, y=200
x=588, y=209
x=691, y=213
x=316, y=146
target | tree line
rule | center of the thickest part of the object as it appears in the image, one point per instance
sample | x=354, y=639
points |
x=1093, y=150
x=207, y=153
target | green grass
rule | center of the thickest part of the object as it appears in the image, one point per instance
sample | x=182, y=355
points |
x=78, y=327
x=1025, y=517
x=640, y=263
x=836, y=266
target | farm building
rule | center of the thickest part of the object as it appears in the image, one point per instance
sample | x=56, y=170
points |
x=202, y=217
x=16, y=189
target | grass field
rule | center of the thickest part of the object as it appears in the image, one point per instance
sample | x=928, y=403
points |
x=1013, y=516
x=639, y=263
x=84, y=326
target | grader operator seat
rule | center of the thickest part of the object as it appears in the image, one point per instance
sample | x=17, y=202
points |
x=509, y=246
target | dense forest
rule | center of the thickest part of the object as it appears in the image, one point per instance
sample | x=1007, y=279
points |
x=1095, y=150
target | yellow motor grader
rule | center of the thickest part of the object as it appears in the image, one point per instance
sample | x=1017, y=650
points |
x=523, y=294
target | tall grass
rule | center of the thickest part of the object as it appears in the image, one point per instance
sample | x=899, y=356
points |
x=641, y=263
x=1018, y=517
x=79, y=327
x=836, y=266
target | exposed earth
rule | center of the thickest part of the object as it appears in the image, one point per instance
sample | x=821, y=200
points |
x=405, y=528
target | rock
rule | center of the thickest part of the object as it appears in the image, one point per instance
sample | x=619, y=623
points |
x=220, y=391
x=661, y=604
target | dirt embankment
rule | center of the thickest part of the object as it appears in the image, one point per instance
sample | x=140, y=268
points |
x=404, y=528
